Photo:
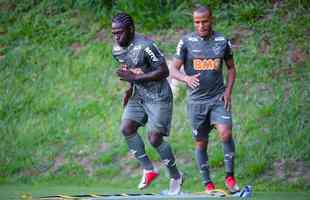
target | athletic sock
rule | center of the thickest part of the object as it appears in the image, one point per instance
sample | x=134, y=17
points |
x=167, y=158
x=137, y=148
x=229, y=154
x=202, y=163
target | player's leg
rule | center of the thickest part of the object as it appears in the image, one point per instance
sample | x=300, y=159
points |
x=201, y=154
x=223, y=122
x=133, y=117
x=159, y=122
x=225, y=133
x=135, y=143
x=200, y=122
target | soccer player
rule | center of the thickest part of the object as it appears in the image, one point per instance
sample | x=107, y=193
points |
x=147, y=101
x=202, y=53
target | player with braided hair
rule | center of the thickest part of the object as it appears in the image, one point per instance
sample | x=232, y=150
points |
x=147, y=101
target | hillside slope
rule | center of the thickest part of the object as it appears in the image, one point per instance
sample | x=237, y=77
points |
x=60, y=102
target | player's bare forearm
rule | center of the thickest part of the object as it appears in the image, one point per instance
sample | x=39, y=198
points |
x=231, y=76
x=191, y=81
x=160, y=73
x=175, y=70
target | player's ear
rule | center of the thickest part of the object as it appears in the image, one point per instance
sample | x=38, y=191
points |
x=131, y=30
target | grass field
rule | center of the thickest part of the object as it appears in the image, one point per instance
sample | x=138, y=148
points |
x=60, y=99
x=10, y=192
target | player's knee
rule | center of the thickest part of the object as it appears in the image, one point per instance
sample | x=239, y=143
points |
x=155, y=139
x=226, y=136
x=128, y=129
x=201, y=144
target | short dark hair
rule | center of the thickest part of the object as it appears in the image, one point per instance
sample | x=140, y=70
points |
x=201, y=9
x=124, y=19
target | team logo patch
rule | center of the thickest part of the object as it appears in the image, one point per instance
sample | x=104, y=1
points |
x=217, y=49
x=137, y=48
x=206, y=64
x=134, y=54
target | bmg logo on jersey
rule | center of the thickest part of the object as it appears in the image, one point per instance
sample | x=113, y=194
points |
x=206, y=64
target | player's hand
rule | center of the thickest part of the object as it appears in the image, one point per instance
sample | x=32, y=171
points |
x=192, y=81
x=127, y=95
x=226, y=97
x=126, y=75
x=136, y=70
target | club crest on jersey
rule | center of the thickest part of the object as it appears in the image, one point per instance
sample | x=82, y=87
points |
x=137, y=48
x=151, y=54
x=217, y=48
x=206, y=64
x=134, y=54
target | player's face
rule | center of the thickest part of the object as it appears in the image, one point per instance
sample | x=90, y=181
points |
x=121, y=34
x=203, y=23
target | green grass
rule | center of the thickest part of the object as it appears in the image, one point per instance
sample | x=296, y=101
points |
x=10, y=192
x=60, y=101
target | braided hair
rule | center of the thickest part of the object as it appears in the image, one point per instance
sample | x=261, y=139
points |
x=124, y=19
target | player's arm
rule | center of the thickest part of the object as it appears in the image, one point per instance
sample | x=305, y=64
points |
x=128, y=94
x=191, y=81
x=178, y=61
x=231, y=76
x=153, y=58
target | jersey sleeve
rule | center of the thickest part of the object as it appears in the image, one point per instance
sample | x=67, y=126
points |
x=228, y=54
x=153, y=55
x=181, y=50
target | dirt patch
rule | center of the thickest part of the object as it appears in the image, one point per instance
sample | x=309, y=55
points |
x=265, y=45
x=59, y=161
x=2, y=32
x=86, y=163
x=102, y=36
x=103, y=147
x=169, y=37
x=291, y=171
x=239, y=34
x=7, y=6
x=76, y=48
x=127, y=167
x=297, y=56
x=285, y=71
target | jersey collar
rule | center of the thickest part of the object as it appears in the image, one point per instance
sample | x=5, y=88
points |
x=206, y=39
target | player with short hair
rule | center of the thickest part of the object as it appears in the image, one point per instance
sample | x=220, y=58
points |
x=203, y=53
x=148, y=101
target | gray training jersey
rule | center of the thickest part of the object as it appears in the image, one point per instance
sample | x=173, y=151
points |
x=143, y=54
x=204, y=56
